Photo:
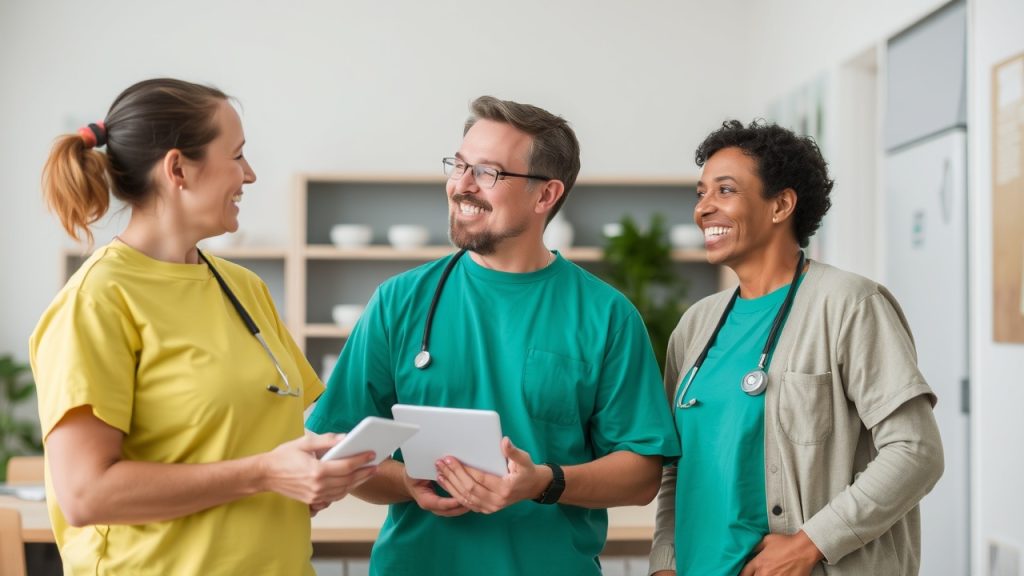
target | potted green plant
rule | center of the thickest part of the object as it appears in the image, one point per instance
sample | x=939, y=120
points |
x=18, y=435
x=639, y=263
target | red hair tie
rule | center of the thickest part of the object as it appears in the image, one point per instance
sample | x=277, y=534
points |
x=94, y=135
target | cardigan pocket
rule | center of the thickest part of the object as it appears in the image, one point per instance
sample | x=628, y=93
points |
x=805, y=407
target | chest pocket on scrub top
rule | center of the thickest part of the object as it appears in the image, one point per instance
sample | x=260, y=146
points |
x=552, y=384
x=805, y=407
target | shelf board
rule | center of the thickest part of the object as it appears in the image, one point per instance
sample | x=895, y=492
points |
x=698, y=255
x=375, y=252
x=595, y=254
x=384, y=252
x=682, y=180
x=250, y=252
x=326, y=331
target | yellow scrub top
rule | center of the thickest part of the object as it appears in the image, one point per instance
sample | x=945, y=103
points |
x=158, y=351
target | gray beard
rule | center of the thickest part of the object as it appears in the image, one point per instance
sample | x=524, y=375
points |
x=483, y=243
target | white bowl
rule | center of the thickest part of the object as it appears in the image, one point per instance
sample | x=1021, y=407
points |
x=612, y=230
x=351, y=235
x=686, y=236
x=346, y=315
x=408, y=236
x=559, y=234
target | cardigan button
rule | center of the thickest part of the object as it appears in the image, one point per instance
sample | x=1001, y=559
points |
x=777, y=510
x=774, y=468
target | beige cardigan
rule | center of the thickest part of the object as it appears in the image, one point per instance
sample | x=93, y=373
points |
x=851, y=444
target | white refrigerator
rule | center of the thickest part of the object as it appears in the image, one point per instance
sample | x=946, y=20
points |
x=926, y=269
x=925, y=251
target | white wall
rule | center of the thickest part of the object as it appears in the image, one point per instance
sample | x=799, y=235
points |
x=795, y=41
x=996, y=368
x=353, y=86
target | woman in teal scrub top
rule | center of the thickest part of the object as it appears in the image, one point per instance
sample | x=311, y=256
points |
x=806, y=428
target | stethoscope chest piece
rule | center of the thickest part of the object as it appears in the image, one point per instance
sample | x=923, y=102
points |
x=755, y=382
x=422, y=359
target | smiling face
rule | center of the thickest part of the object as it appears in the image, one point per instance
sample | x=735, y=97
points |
x=731, y=209
x=215, y=182
x=486, y=220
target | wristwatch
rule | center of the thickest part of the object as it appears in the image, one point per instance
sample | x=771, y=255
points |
x=553, y=492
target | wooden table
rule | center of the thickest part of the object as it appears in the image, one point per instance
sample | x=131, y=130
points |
x=349, y=527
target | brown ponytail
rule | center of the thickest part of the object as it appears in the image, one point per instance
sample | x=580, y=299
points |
x=76, y=185
x=145, y=122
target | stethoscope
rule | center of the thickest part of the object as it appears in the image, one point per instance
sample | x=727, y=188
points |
x=422, y=359
x=254, y=330
x=754, y=382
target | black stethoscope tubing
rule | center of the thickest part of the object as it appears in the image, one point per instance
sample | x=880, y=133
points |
x=253, y=329
x=757, y=378
x=422, y=360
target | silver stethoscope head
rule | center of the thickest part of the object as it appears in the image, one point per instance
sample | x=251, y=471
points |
x=756, y=381
x=422, y=359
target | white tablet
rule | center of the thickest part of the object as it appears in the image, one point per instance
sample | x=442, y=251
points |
x=380, y=435
x=471, y=436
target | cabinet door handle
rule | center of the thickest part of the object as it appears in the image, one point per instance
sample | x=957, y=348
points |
x=946, y=191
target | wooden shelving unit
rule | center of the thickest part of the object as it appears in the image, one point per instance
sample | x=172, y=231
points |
x=321, y=275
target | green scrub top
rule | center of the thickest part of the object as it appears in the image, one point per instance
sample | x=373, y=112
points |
x=561, y=356
x=721, y=507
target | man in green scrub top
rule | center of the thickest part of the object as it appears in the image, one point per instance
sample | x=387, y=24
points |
x=561, y=356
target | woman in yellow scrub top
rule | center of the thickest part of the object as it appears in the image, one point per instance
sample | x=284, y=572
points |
x=174, y=434
x=807, y=431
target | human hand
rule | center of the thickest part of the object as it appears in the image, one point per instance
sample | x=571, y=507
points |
x=316, y=507
x=783, y=555
x=487, y=493
x=293, y=469
x=664, y=573
x=422, y=491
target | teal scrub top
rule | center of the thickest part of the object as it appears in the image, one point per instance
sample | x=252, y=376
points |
x=721, y=507
x=561, y=356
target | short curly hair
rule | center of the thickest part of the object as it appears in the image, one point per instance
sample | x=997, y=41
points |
x=784, y=160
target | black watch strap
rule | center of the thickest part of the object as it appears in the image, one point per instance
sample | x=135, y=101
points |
x=553, y=492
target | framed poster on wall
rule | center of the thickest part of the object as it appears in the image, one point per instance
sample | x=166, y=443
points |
x=1008, y=200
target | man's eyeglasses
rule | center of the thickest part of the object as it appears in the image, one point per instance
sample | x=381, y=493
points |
x=485, y=176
